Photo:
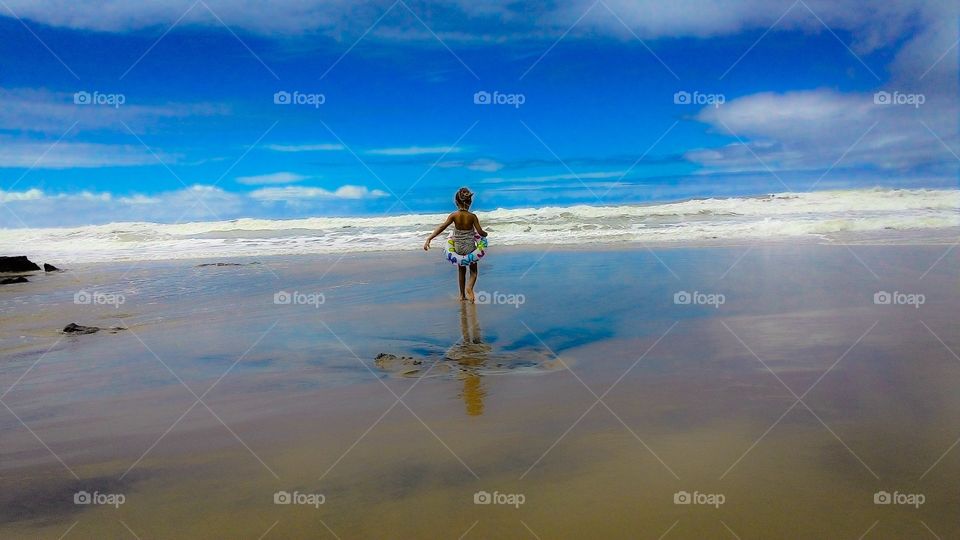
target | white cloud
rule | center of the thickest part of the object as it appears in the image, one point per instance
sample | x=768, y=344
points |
x=304, y=147
x=485, y=165
x=415, y=150
x=266, y=18
x=300, y=193
x=589, y=189
x=89, y=196
x=66, y=154
x=556, y=177
x=37, y=208
x=820, y=129
x=140, y=199
x=30, y=112
x=273, y=178
x=923, y=30
x=873, y=23
x=43, y=111
x=28, y=195
x=482, y=164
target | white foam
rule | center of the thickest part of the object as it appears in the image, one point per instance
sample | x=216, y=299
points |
x=776, y=216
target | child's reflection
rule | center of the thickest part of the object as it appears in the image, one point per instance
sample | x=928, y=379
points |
x=471, y=353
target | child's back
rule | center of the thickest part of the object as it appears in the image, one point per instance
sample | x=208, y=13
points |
x=464, y=220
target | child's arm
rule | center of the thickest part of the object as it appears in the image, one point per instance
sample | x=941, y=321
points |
x=476, y=225
x=437, y=231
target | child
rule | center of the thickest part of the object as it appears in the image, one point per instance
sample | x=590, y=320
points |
x=466, y=222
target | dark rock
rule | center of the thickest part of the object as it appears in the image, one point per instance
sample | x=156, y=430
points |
x=50, y=268
x=404, y=365
x=17, y=264
x=9, y=280
x=386, y=361
x=225, y=264
x=79, y=329
x=74, y=328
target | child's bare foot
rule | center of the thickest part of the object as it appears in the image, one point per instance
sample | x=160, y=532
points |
x=472, y=297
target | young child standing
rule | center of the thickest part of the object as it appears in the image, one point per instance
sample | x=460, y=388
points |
x=465, y=223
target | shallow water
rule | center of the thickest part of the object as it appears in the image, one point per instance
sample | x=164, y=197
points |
x=777, y=217
x=695, y=398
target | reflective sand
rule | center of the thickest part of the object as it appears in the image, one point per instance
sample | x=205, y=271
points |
x=695, y=398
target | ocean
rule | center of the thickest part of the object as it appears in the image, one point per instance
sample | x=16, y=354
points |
x=783, y=215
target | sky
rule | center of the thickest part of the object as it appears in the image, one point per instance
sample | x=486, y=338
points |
x=174, y=111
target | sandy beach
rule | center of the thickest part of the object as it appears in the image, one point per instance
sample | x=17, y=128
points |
x=718, y=282
x=584, y=396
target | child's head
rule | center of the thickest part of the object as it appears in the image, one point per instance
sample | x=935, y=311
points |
x=463, y=198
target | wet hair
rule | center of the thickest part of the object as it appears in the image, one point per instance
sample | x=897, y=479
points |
x=463, y=198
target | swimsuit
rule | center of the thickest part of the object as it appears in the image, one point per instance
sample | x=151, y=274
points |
x=464, y=241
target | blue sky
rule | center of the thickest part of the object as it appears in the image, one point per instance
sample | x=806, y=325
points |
x=390, y=124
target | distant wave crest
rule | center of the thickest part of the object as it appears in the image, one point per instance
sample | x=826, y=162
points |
x=773, y=216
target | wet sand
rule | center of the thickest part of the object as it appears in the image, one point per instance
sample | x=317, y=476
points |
x=500, y=397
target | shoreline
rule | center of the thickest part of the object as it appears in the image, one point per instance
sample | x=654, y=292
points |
x=908, y=215
x=913, y=237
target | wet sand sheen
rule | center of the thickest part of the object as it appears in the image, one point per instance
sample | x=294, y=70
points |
x=687, y=416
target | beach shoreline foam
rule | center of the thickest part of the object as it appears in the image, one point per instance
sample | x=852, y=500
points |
x=818, y=216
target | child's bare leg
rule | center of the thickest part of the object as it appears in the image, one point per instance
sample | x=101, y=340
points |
x=462, y=279
x=474, y=272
